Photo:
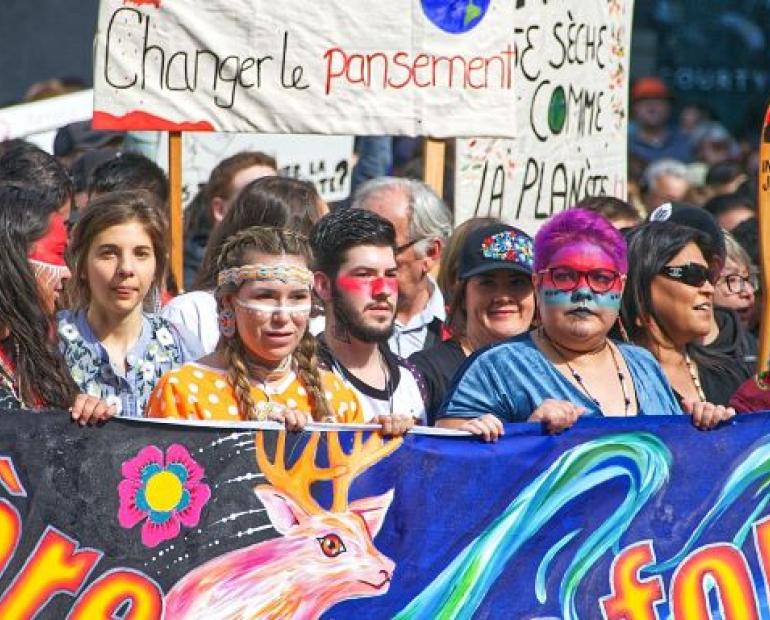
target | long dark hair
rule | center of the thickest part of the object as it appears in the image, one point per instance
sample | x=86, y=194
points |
x=650, y=247
x=42, y=374
x=276, y=202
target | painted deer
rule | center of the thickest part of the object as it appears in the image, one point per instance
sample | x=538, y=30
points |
x=323, y=556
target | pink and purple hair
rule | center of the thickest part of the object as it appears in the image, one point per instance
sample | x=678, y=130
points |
x=580, y=226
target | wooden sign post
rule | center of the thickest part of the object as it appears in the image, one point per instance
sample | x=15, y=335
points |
x=434, y=154
x=175, y=207
x=763, y=189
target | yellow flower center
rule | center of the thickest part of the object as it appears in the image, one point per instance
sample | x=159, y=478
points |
x=164, y=491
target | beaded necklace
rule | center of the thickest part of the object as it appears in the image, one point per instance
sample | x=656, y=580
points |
x=693, y=369
x=7, y=378
x=579, y=379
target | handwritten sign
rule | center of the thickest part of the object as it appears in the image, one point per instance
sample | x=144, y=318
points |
x=571, y=102
x=415, y=67
x=327, y=161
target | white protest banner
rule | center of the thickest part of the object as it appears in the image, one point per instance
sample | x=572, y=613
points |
x=37, y=122
x=442, y=68
x=324, y=160
x=571, y=98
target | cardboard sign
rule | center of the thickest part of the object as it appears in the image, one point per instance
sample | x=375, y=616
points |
x=414, y=67
x=327, y=161
x=571, y=110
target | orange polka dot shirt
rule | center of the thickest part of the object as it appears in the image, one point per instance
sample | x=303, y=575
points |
x=197, y=392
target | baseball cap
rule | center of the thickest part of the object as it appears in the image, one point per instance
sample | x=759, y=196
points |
x=80, y=137
x=649, y=88
x=496, y=246
x=694, y=217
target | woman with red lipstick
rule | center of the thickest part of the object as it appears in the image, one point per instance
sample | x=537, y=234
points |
x=33, y=239
x=113, y=348
x=568, y=367
x=265, y=365
x=668, y=308
x=492, y=300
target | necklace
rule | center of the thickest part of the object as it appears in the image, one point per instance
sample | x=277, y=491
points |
x=7, y=379
x=579, y=379
x=694, y=376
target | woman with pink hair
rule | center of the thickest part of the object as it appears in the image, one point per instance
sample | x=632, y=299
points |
x=568, y=367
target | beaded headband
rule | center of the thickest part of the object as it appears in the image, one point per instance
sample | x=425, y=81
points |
x=235, y=276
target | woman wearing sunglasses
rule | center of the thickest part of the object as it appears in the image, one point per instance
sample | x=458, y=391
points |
x=568, y=367
x=668, y=308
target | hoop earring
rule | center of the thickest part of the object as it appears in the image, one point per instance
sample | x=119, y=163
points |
x=226, y=319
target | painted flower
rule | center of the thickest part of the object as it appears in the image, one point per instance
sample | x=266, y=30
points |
x=164, y=492
x=68, y=331
x=164, y=337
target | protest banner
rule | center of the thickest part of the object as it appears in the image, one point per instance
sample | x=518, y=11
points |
x=617, y=518
x=407, y=67
x=571, y=100
x=327, y=161
x=37, y=122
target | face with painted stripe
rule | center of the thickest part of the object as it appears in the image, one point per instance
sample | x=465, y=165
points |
x=579, y=296
x=46, y=256
x=364, y=293
x=271, y=316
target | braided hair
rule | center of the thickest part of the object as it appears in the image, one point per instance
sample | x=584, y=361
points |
x=273, y=242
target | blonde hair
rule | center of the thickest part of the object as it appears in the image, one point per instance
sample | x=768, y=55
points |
x=734, y=250
x=274, y=242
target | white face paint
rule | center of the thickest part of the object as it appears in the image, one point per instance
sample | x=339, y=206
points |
x=267, y=309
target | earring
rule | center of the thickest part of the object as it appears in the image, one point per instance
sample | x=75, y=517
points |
x=226, y=320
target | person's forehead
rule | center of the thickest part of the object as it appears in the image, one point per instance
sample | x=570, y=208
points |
x=369, y=256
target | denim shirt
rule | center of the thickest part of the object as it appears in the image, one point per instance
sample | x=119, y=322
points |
x=160, y=347
x=511, y=379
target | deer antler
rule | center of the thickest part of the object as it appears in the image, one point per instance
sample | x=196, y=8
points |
x=349, y=466
x=297, y=480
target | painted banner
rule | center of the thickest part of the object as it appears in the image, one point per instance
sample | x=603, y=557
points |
x=622, y=519
x=409, y=67
x=571, y=112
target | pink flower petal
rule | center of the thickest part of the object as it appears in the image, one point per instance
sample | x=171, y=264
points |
x=153, y=534
x=132, y=468
x=128, y=514
x=199, y=496
x=177, y=453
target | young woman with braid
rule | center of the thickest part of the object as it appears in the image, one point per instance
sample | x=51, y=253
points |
x=264, y=367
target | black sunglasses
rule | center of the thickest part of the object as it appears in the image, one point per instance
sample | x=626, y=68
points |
x=691, y=274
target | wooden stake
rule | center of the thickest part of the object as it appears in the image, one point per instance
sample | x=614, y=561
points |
x=175, y=205
x=763, y=189
x=433, y=158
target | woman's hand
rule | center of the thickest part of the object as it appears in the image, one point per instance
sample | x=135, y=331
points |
x=91, y=410
x=557, y=415
x=706, y=416
x=394, y=425
x=488, y=427
x=294, y=419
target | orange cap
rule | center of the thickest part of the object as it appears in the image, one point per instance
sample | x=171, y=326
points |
x=649, y=88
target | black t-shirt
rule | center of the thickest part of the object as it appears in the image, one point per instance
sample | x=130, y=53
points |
x=438, y=365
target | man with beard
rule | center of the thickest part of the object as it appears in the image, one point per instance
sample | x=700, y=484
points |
x=355, y=278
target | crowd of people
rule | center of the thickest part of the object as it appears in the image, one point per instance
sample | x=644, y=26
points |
x=379, y=310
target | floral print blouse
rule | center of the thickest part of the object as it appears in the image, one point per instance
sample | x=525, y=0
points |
x=161, y=346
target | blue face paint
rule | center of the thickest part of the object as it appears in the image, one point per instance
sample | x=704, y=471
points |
x=582, y=297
